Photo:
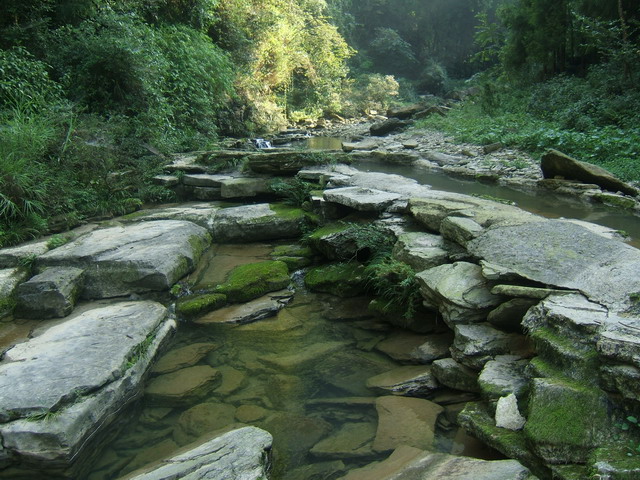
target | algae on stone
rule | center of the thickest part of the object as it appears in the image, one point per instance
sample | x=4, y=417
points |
x=194, y=305
x=341, y=279
x=250, y=281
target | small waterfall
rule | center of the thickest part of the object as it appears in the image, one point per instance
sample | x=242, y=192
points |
x=262, y=144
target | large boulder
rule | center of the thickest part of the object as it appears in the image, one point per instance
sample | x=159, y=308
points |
x=60, y=390
x=53, y=293
x=412, y=463
x=557, y=164
x=459, y=291
x=121, y=260
x=244, y=454
x=254, y=223
x=387, y=126
x=562, y=254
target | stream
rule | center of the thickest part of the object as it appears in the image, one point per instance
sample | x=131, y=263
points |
x=300, y=375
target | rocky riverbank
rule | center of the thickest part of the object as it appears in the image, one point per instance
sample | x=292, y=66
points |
x=540, y=319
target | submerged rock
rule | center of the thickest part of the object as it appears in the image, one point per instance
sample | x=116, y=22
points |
x=201, y=419
x=341, y=279
x=405, y=421
x=264, y=307
x=183, y=357
x=407, y=462
x=351, y=440
x=410, y=381
x=243, y=453
x=182, y=387
x=253, y=280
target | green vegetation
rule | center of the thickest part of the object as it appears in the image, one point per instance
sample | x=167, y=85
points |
x=57, y=241
x=295, y=191
x=395, y=285
x=340, y=279
x=247, y=282
x=195, y=305
x=140, y=351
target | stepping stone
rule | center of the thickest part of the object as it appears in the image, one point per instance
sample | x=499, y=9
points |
x=405, y=421
x=353, y=440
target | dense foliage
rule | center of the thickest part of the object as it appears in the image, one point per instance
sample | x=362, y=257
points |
x=93, y=93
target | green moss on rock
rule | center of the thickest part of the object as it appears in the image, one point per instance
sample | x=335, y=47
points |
x=292, y=251
x=341, y=279
x=194, y=305
x=617, y=461
x=247, y=282
x=566, y=420
x=615, y=200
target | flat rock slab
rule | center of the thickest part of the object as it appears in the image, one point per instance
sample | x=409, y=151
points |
x=204, y=180
x=455, y=375
x=52, y=293
x=201, y=214
x=410, y=381
x=264, y=307
x=403, y=346
x=562, y=254
x=182, y=387
x=243, y=454
x=412, y=463
x=183, y=357
x=10, y=278
x=254, y=223
x=405, y=421
x=11, y=257
x=421, y=251
x=201, y=419
x=147, y=256
x=362, y=199
x=459, y=291
x=352, y=440
x=64, y=386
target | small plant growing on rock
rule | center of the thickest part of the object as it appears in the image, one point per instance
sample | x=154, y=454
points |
x=294, y=191
x=57, y=241
x=631, y=425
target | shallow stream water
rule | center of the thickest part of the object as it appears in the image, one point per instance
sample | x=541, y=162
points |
x=300, y=375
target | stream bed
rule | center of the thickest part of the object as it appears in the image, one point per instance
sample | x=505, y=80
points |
x=300, y=375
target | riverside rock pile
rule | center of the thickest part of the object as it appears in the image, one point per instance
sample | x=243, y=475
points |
x=541, y=321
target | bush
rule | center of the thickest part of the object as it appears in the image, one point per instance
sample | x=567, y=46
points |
x=370, y=92
x=433, y=79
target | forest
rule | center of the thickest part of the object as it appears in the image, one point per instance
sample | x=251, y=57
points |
x=95, y=93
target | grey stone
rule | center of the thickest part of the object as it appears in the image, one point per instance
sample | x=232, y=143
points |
x=53, y=402
x=432, y=207
x=199, y=213
x=557, y=164
x=254, y=223
x=421, y=251
x=508, y=316
x=411, y=463
x=622, y=378
x=288, y=162
x=507, y=414
x=182, y=387
x=405, y=421
x=562, y=254
x=619, y=340
x=134, y=258
x=204, y=180
x=362, y=199
x=534, y=293
x=460, y=229
x=502, y=376
x=264, y=307
x=459, y=291
x=352, y=440
x=443, y=159
x=52, y=293
x=245, y=187
x=201, y=419
x=183, y=357
x=364, y=145
x=474, y=345
x=243, y=453
x=406, y=112
x=410, y=381
x=387, y=182
x=434, y=348
x=206, y=194
x=11, y=257
x=10, y=278
x=403, y=346
x=387, y=126
x=454, y=375
x=166, y=180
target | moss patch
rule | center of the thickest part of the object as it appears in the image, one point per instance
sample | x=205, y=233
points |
x=247, y=282
x=327, y=230
x=615, y=200
x=566, y=419
x=341, y=279
x=292, y=251
x=616, y=460
x=287, y=211
x=194, y=305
